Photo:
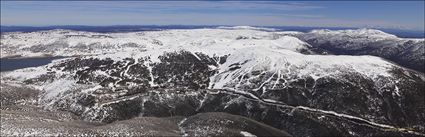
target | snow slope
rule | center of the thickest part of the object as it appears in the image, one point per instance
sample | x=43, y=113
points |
x=406, y=52
x=74, y=43
x=288, y=65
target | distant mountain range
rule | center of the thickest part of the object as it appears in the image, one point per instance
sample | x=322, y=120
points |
x=404, y=33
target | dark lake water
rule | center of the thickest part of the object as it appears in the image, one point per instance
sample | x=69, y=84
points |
x=9, y=64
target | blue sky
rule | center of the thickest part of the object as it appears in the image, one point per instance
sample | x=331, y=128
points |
x=388, y=14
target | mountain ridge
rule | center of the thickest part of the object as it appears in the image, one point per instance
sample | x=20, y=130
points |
x=275, y=78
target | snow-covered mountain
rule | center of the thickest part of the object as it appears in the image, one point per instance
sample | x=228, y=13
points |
x=71, y=43
x=270, y=77
x=406, y=52
x=409, y=53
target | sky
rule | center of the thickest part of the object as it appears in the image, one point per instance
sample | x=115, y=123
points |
x=382, y=14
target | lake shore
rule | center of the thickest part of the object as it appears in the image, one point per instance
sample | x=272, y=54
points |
x=14, y=63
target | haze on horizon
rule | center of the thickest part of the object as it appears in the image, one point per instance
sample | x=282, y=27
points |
x=381, y=14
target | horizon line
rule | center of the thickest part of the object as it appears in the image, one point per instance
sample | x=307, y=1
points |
x=271, y=26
